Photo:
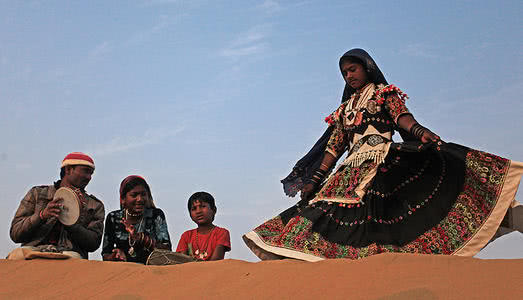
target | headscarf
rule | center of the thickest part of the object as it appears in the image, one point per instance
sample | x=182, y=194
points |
x=373, y=72
x=304, y=168
x=141, y=180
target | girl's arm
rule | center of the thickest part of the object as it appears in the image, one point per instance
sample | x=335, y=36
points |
x=317, y=178
x=407, y=122
x=218, y=253
x=395, y=105
x=183, y=244
x=336, y=146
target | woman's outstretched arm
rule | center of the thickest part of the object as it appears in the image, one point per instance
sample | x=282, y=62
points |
x=407, y=122
x=328, y=161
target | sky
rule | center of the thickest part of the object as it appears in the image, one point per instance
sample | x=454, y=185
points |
x=226, y=96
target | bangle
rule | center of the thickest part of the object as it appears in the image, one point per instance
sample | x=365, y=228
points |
x=324, y=166
x=41, y=215
x=417, y=130
x=318, y=176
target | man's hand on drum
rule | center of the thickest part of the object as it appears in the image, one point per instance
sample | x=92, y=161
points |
x=52, y=210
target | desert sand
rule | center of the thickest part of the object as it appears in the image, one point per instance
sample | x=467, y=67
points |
x=385, y=276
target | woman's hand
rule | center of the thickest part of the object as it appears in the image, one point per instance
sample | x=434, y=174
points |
x=307, y=190
x=429, y=136
x=408, y=123
x=130, y=228
x=116, y=255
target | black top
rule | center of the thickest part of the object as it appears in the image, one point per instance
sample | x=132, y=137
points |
x=115, y=236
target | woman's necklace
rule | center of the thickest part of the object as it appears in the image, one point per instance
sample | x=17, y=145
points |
x=357, y=102
x=131, y=251
x=127, y=213
x=198, y=253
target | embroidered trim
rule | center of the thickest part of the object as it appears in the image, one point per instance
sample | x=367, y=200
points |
x=380, y=93
x=337, y=200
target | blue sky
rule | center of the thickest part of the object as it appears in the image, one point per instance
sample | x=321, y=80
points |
x=225, y=96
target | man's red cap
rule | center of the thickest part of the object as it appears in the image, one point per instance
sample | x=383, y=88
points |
x=78, y=158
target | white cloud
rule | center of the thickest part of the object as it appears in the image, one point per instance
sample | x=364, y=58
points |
x=418, y=50
x=243, y=51
x=270, y=6
x=143, y=35
x=101, y=50
x=159, y=2
x=122, y=144
x=249, y=43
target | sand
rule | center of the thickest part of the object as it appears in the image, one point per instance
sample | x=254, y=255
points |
x=385, y=276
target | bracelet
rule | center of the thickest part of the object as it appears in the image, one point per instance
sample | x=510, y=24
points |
x=315, y=179
x=318, y=176
x=148, y=242
x=324, y=166
x=41, y=215
x=417, y=130
x=321, y=173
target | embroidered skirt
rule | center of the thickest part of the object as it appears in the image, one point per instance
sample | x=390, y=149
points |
x=432, y=199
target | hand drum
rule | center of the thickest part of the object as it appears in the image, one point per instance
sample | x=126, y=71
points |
x=70, y=205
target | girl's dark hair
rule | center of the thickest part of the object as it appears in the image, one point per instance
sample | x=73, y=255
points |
x=202, y=197
x=130, y=183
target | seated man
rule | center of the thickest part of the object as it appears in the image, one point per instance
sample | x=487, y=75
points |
x=35, y=223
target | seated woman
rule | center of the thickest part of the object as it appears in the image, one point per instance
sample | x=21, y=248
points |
x=135, y=230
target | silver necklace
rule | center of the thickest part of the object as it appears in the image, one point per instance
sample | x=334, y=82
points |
x=131, y=251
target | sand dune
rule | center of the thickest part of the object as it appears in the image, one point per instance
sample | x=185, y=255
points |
x=386, y=276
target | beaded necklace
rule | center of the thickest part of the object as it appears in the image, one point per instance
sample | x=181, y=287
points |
x=198, y=253
x=356, y=103
x=131, y=251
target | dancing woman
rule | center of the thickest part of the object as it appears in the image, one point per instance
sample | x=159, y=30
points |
x=419, y=196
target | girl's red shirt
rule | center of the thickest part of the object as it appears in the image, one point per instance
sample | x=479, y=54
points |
x=202, y=245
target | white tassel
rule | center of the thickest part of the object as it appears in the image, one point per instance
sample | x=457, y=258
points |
x=376, y=156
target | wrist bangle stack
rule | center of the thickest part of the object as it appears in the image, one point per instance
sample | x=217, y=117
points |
x=146, y=242
x=417, y=130
x=41, y=215
x=318, y=176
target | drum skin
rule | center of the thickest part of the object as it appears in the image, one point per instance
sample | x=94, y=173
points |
x=70, y=205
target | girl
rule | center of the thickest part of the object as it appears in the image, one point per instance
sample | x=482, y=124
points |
x=420, y=196
x=135, y=230
x=208, y=241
